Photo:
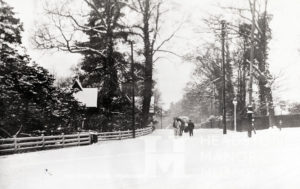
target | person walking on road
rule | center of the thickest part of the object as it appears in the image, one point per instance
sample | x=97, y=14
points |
x=191, y=127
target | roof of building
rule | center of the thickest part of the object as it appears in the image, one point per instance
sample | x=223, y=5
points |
x=87, y=96
x=77, y=85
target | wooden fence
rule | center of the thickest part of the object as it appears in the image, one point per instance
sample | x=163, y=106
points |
x=15, y=145
x=119, y=135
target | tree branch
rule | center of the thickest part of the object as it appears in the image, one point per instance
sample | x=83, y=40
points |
x=166, y=40
x=96, y=10
x=170, y=52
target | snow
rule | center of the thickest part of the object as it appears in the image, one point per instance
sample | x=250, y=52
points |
x=88, y=96
x=270, y=159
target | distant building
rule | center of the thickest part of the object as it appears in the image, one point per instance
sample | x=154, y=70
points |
x=87, y=96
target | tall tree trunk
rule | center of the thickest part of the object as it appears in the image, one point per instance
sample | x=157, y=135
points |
x=262, y=67
x=265, y=92
x=229, y=85
x=112, y=81
x=242, y=87
x=148, y=54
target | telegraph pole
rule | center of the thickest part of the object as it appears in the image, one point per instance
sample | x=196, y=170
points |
x=251, y=54
x=133, y=92
x=223, y=23
x=250, y=110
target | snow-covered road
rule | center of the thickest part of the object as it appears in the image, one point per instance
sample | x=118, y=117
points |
x=208, y=160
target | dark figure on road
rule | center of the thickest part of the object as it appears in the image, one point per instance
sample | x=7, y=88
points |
x=191, y=127
x=176, y=126
x=181, y=126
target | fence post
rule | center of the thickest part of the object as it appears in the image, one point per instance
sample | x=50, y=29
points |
x=63, y=139
x=78, y=137
x=90, y=138
x=43, y=141
x=15, y=143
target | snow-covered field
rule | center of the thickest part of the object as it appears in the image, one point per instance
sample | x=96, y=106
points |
x=270, y=159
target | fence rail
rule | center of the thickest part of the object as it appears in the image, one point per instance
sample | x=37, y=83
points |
x=119, y=135
x=43, y=142
x=23, y=144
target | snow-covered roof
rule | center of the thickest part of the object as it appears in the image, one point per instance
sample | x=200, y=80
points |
x=87, y=96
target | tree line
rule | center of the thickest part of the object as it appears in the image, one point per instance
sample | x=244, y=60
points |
x=203, y=96
x=29, y=101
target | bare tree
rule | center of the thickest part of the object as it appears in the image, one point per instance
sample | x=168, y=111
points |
x=68, y=28
x=148, y=29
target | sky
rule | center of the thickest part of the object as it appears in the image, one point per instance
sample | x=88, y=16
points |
x=171, y=72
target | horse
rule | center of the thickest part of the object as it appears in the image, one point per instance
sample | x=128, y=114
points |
x=181, y=126
x=176, y=126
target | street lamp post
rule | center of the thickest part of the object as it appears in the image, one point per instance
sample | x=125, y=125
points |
x=234, y=113
x=223, y=23
x=250, y=106
x=133, y=92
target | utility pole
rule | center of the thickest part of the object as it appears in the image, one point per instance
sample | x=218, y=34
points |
x=252, y=54
x=250, y=110
x=213, y=112
x=133, y=92
x=223, y=23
